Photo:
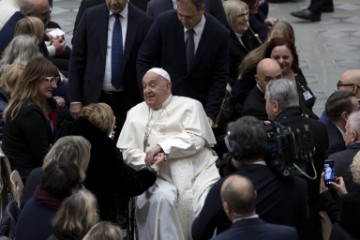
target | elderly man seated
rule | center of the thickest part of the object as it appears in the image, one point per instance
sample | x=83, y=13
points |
x=177, y=129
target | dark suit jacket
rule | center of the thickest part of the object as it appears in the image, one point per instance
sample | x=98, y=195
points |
x=349, y=215
x=91, y=3
x=294, y=118
x=164, y=46
x=255, y=228
x=242, y=88
x=155, y=7
x=336, y=139
x=87, y=63
x=342, y=161
x=237, y=51
x=7, y=34
x=213, y=7
x=254, y=105
x=279, y=201
x=26, y=139
x=83, y=6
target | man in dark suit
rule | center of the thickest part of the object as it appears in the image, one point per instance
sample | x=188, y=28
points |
x=254, y=105
x=280, y=200
x=204, y=75
x=338, y=107
x=91, y=71
x=91, y=3
x=213, y=7
x=239, y=199
x=313, y=12
x=282, y=106
x=343, y=159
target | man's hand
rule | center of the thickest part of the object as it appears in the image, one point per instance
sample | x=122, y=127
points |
x=75, y=108
x=270, y=21
x=339, y=186
x=59, y=44
x=150, y=155
x=60, y=101
x=211, y=122
x=159, y=159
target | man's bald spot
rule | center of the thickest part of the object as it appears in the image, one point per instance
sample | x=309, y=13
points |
x=34, y=7
x=351, y=76
x=37, y=2
x=236, y=184
x=267, y=64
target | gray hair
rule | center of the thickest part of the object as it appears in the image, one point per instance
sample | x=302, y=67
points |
x=20, y=50
x=353, y=122
x=284, y=92
x=26, y=6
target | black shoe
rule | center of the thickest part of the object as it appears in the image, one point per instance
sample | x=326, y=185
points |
x=306, y=14
x=327, y=9
x=328, y=6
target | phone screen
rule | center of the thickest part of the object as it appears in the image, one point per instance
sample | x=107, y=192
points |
x=329, y=174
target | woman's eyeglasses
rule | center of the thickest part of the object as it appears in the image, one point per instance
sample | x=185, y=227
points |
x=244, y=15
x=52, y=79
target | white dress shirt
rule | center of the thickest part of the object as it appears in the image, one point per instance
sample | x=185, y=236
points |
x=107, y=86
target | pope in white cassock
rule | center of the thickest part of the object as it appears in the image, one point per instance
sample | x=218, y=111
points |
x=176, y=129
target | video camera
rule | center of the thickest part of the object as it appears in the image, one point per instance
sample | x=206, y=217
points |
x=288, y=151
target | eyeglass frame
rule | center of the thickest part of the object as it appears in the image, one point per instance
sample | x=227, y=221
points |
x=244, y=15
x=52, y=79
x=340, y=84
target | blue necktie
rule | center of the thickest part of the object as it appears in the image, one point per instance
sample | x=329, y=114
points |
x=116, y=54
x=190, y=49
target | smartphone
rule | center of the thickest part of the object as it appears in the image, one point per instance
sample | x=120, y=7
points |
x=329, y=172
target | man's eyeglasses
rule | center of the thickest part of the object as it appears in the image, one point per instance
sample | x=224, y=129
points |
x=340, y=84
x=52, y=79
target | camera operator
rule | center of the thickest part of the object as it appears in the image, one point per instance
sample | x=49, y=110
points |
x=282, y=106
x=280, y=200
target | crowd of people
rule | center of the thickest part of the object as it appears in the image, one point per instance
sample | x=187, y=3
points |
x=198, y=110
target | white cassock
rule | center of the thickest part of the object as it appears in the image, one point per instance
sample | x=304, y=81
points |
x=167, y=209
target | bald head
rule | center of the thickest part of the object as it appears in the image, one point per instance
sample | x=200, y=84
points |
x=238, y=196
x=350, y=81
x=267, y=69
x=37, y=8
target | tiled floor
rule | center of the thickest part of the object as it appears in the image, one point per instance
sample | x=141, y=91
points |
x=326, y=48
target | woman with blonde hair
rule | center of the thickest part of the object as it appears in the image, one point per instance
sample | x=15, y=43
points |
x=8, y=81
x=27, y=133
x=31, y=26
x=76, y=215
x=104, y=230
x=242, y=40
x=108, y=177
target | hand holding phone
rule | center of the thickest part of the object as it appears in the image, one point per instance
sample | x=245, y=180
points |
x=329, y=172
